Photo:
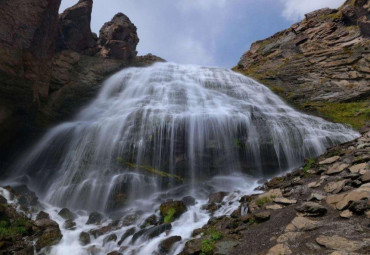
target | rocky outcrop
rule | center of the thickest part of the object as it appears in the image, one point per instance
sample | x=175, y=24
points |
x=52, y=64
x=314, y=221
x=118, y=38
x=75, y=31
x=321, y=63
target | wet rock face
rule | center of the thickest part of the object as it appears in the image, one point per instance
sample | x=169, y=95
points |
x=75, y=31
x=118, y=38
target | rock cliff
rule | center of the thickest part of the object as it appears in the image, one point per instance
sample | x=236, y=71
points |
x=52, y=64
x=321, y=64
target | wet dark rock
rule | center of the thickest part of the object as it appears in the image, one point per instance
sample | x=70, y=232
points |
x=130, y=219
x=45, y=223
x=69, y=225
x=151, y=232
x=114, y=253
x=42, y=215
x=312, y=209
x=100, y=231
x=49, y=237
x=166, y=245
x=110, y=238
x=188, y=200
x=84, y=238
x=94, y=218
x=67, y=214
x=172, y=210
x=128, y=233
x=217, y=197
x=151, y=220
x=3, y=200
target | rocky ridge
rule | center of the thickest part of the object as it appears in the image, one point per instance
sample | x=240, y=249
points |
x=52, y=64
x=321, y=208
x=321, y=64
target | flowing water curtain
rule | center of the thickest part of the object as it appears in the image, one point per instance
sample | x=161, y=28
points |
x=158, y=127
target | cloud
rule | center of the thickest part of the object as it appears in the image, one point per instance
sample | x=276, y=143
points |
x=295, y=10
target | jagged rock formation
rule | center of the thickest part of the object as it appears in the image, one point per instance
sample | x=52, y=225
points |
x=320, y=63
x=52, y=64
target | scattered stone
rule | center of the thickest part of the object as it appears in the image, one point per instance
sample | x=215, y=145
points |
x=339, y=243
x=365, y=177
x=151, y=220
x=316, y=196
x=367, y=214
x=312, y=209
x=262, y=216
x=335, y=187
x=273, y=193
x=302, y=224
x=357, y=168
x=346, y=214
x=130, y=219
x=336, y=168
x=115, y=253
x=151, y=232
x=289, y=236
x=166, y=245
x=49, y=237
x=273, y=207
x=279, y=249
x=284, y=201
x=94, y=218
x=224, y=247
x=359, y=207
x=84, y=238
x=355, y=195
x=329, y=160
x=67, y=214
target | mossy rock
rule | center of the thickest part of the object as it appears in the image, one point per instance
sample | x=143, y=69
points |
x=172, y=210
x=49, y=238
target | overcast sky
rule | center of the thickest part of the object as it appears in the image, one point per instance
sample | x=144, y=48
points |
x=203, y=32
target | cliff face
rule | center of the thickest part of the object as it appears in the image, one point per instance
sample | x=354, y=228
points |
x=52, y=64
x=320, y=64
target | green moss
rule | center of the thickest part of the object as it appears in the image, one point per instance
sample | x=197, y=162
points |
x=277, y=89
x=170, y=216
x=150, y=170
x=18, y=227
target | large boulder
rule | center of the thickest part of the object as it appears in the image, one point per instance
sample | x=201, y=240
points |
x=171, y=210
x=118, y=38
x=75, y=31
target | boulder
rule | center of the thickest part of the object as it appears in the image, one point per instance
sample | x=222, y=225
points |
x=335, y=187
x=355, y=195
x=151, y=232
x=84, y=238
x=360, y=206
x=329, y=160
x=118, y=38
x=171, y=210
x=284, y=201
x=339, y=243
x=110, y=238
x=262, y=216
x=94, y=218
x=312, y=209
x=49, y=237
x=69, y=225
x=346, y=214
x=75, y=32
x=217, y=197
x=302, y=224
x=42, y=215
x=336, y=168
x=357, y=168
x=188, y=200
x=67, y=214
x=166, y=245
x=279, y=249
x=128, y=232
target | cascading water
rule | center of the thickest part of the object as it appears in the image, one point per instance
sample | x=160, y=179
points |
x=156, y=127
x=167, y=131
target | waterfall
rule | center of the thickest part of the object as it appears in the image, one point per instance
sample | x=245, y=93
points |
x=162, y=126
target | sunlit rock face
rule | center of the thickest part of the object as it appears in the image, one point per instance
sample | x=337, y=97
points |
x=153, y=128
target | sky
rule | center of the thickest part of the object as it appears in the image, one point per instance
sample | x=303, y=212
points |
x=203, y=32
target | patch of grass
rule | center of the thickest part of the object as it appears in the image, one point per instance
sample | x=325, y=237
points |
x=355, y=114
x=309, y=164
x=264, y=200
x=277, y=89
x=18, y=227
x=207, y=247
x=170, y=215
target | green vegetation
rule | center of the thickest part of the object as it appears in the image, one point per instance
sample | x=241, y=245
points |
x=170, y=216
x=208, y=245
x=355, y=114
x=18, y=227
x=264, y=200
x=277, y=89
x=309, y=164
x=149, y=170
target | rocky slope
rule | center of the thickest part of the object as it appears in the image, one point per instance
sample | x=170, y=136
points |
x=321, y=64
x=321, y=208
x=52, y=64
